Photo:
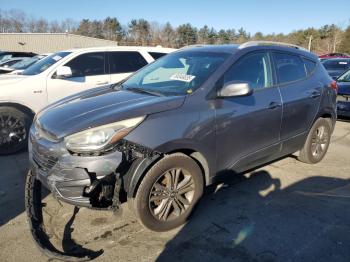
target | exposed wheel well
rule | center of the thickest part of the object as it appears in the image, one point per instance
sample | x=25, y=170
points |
x=330, y=119
x=20, y=107
x=326, y=115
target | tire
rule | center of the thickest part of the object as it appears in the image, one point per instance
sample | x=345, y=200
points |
x=14, y=130
x=164, y=174
x=317, y=142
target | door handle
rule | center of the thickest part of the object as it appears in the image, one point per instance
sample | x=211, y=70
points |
x=314, y=94
x=274, y=105
x=102, y=83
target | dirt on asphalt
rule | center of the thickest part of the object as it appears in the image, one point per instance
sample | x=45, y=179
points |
x=285, y=211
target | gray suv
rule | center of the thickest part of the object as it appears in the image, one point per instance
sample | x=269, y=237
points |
x=159, y=137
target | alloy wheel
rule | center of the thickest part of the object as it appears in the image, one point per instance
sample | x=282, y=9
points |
x=12, y=131
x=319, y=141
x=172, y=194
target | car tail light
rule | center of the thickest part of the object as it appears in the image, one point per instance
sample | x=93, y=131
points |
x=334, y=85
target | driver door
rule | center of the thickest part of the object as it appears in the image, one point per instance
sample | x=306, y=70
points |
x=248, y=127
x=88, y=71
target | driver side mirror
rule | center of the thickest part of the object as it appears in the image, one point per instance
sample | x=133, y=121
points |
x=233, y=88
x=63, y=72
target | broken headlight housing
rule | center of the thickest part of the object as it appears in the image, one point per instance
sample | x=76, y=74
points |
x=100, y=138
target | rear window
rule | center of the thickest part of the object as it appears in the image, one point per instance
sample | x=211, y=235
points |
x=125, y=62
x=156, y=55
x=289, y=67
x=336, y=64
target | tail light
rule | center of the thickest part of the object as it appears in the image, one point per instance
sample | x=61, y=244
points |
x=334, y=85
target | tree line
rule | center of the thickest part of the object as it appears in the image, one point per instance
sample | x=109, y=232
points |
x=328, y=38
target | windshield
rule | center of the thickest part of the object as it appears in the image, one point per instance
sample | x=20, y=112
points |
x=44, y=64
x=178, y=73
x=344, y=77
x=336, y=64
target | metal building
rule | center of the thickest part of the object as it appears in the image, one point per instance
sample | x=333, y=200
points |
x=48, y=42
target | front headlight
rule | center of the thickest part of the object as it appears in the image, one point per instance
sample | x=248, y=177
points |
x=102, y=137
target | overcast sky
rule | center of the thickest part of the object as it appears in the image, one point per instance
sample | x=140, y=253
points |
x=267, y=16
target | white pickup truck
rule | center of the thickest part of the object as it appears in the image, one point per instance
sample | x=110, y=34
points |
x=57, y=76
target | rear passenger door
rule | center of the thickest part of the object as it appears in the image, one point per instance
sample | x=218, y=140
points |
x=124, y=63
x=300, y=92
x=88, y=71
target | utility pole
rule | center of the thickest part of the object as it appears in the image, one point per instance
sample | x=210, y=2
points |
x=310, y=40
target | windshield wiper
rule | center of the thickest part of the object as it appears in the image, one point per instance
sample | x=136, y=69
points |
x=144, y=91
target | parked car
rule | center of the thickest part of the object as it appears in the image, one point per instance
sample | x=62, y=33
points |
x=20, y=66
x=5, y=65
x=343, y=99
x=174, y=126
x=336, y=66
x=4, y=55
x=333, y=55
x=60, y=75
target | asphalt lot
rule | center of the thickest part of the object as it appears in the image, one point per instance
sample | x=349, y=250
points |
x=285, y=211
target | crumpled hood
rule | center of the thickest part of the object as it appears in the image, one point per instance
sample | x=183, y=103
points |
x=11, y=79
x=101, y=106
x=343, y=88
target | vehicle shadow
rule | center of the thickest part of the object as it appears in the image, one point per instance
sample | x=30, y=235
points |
x=254, y=218
x=71, y=247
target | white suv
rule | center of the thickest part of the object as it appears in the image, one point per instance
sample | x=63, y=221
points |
x=59, y=75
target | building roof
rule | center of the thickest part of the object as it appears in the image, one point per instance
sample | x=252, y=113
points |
x=48, y=42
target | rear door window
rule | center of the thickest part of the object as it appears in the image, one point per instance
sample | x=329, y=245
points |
x=289, y=67
x=125, y=62
x=89, y=64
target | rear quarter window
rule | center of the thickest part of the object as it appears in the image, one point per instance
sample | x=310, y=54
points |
x=156, y=55
x=309, y=65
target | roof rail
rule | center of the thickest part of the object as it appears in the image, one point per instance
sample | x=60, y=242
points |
x=256, y=43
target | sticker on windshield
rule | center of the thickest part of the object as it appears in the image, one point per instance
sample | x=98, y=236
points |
x=182, y=77
x=343, y=63
x=57, y=57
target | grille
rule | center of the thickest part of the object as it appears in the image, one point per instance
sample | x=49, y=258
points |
x=44, y=162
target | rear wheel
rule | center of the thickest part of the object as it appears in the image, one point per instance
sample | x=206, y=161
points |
x=14, y=128
x=168, y=192
x=317, y=142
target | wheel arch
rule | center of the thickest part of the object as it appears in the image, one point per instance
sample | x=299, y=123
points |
x=21, y=107
x=140, y=167
x=326, y=113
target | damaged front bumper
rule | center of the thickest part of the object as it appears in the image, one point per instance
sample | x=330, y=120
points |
x=94, y=181
x=86, y=181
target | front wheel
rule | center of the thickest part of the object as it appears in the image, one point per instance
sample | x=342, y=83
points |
x=317, y=142
x=14, y=128
x=168, y=192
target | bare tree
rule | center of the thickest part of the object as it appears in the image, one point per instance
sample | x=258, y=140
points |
x=55, y=27
x=168, y=35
